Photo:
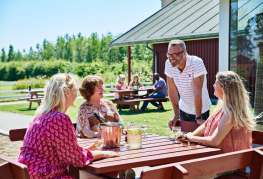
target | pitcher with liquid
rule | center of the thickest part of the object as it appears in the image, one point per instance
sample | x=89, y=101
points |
x=134, y=137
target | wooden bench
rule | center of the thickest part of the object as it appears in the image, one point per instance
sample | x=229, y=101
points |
x=134, y=103
x=18, y=134
x=10, y=169
x=209, y=166
x=257, y=138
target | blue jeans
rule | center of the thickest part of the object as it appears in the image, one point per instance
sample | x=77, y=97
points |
x=156, y=104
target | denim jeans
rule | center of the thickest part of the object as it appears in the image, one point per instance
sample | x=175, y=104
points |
x=156, y=104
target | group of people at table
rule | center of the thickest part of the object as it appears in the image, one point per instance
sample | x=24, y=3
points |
x=50, y=144
x=159, y=89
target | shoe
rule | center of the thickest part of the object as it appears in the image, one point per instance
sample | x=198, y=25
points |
x=143, y=109
x=129, y=174
x=161, y=108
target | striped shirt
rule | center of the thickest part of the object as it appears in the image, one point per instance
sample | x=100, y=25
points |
x=184, y=82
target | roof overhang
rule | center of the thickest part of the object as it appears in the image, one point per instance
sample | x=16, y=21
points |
x=166, y=39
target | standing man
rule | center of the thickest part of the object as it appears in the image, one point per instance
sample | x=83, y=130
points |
x=160, y=91
x=187, y=87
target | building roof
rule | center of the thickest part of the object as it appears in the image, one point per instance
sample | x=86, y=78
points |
x=187, y=19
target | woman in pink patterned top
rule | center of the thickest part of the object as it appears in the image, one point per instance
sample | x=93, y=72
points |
x=92, y=90
x=50, y=145
x=230, y=128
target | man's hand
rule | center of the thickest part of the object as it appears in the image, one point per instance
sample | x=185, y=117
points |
x=200, y=121
x=172, y=122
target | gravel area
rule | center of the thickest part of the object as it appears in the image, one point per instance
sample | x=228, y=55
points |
x=8, y=148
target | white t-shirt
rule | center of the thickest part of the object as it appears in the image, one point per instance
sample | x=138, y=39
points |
x=184, y=82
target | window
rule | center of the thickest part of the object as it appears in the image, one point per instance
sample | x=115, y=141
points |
x=246, y=46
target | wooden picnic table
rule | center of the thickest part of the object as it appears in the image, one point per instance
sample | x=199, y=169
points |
x=156, y=150
x=131, y=98
x=132, y=92
x=34, y=95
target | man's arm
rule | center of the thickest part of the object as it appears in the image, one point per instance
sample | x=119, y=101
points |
x=198, y=85
x=173, y=96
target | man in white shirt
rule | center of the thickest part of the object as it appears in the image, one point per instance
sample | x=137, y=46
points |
x=187, y=87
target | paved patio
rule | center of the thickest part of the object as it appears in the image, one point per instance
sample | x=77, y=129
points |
x=12, y=120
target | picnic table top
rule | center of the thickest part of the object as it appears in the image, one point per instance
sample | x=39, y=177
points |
x=132, y=90
x=156, y=150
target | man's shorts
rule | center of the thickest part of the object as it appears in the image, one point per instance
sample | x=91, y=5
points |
x=190, y=117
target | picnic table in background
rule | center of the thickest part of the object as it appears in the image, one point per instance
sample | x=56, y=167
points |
x=156, y=150
x=34, y=95
x=131, y=98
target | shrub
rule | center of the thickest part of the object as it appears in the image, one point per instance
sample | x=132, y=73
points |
x=33, y=82
x=11, y=71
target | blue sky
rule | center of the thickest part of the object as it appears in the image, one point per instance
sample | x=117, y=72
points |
x=24, y=23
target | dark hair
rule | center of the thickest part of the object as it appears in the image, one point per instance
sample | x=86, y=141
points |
x=88, y=86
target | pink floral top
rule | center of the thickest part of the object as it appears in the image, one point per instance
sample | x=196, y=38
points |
x=50, y=147
x=88, y=124
x=236, y=139
x=121, y=86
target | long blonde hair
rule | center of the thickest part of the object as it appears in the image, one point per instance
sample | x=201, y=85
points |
x=236, y=99
x=54, y=93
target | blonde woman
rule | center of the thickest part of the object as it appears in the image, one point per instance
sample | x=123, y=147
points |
x=135, y=83
x=230, y=127
x=50, y=145
x=120, y=85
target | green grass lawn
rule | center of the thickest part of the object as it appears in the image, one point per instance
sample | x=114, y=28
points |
x=154, y=120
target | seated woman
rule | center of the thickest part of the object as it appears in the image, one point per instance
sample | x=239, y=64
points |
x=92, y=90
x=135, y=83
x=120, y=85
x=230, y=127
x=50, y=145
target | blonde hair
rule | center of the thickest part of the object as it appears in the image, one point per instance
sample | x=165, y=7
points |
x=54, y=93
x=121, y=78
x=136, y=76
x=236, y=99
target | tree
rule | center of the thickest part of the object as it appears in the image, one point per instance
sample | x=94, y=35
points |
x=18, y=56
x=11, y=53
x=48, y=50
x=3, y=55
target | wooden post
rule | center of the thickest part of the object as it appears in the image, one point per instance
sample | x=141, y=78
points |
x=129, y=64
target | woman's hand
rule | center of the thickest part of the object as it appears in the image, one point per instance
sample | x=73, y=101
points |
x=189, y=136
x=96, y=145
x=98, y=154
